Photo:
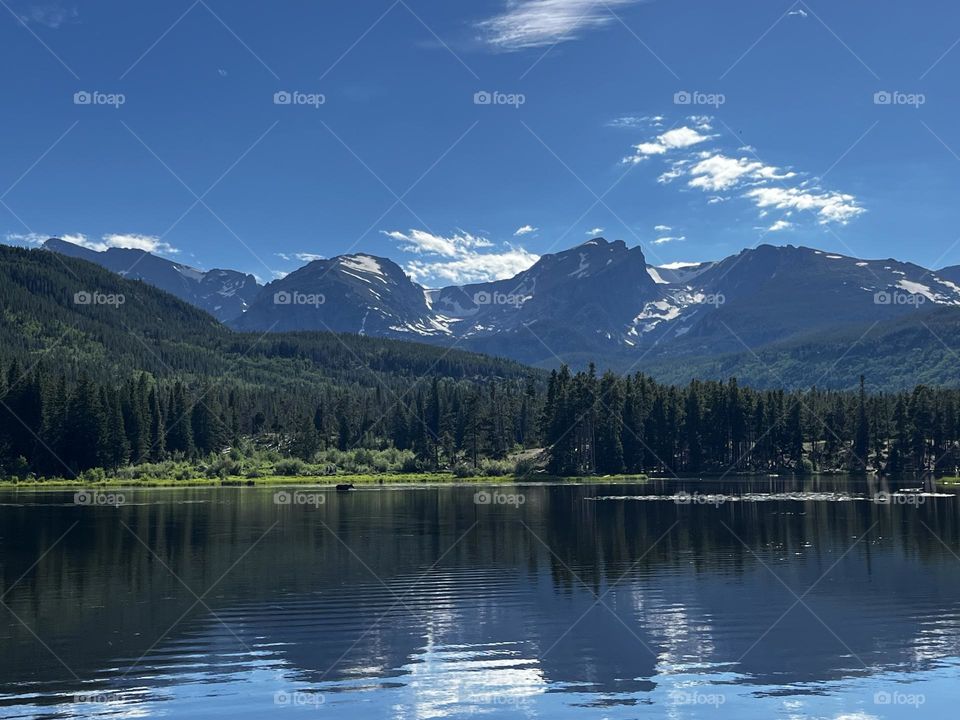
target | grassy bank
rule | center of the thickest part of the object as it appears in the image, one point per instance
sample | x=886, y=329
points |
x=311, y=480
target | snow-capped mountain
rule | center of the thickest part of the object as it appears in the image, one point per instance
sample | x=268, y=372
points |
x=351, y=293
x=580, y=298
x=602, y=301
x=225, y=294
x=599, y=301
x=773, y=294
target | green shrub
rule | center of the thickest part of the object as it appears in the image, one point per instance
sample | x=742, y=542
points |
x=290, y=468
x=462, y=470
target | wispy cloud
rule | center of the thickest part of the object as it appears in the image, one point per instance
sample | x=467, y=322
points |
x=421, y=241
x=829, y=206
x=134, y=241
x=301, y=256
x=692, y=155
x=669, y=239
x=525, y=230
x=677, y=138
x=25, y=238
x=632, y=122
x=716, y=171
x=460, y=258
x=52, y=15
x=148, y=243
x=540, y=23
x=594, y=232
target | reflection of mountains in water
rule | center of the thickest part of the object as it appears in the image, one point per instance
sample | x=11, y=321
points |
x=308, y=595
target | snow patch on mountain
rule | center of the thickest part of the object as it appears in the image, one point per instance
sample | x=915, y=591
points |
x=582, y=270
x=364, y=264
x=657, y=278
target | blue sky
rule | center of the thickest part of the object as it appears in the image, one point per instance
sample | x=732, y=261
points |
x=694, y=129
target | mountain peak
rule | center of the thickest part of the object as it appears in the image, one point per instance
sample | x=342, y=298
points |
x=223, y=293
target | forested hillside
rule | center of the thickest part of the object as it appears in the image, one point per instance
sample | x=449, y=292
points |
x=81, y=349
x=100, y=372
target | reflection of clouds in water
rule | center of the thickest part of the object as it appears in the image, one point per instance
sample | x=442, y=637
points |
x=938, y=638
x=683, y=641
x=468, y=679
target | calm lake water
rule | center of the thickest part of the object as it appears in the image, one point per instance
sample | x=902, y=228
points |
x=760, y=598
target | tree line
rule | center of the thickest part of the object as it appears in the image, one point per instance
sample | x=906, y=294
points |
x=52, y=424
x=614, y=424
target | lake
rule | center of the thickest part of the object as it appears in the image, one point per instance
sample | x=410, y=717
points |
x=743, y=598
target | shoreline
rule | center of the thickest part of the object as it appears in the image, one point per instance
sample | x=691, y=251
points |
x=322, y=481
x=391, y=480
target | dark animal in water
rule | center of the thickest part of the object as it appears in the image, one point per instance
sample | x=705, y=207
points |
x=345, y=487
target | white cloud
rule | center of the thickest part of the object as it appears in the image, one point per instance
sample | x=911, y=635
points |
x=662, y=228
x=726, y=176
x=134, y=241
x=799, y=12
x=669, y=239
x=525, y=230
x=702, y=122
x=829, y=206
x=464, y=257
x=539, y=23
x=51, y=15
x=26, y=238
x=677, y=138
x=720, y=172
x=475, y=267
x=633, y=122
x=421, y=241
x=675, y=171
x=301, y=256
x=147, y=243
x=595, y=232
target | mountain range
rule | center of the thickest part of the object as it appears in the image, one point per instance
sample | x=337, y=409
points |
x=770, y=315
x=225, y=294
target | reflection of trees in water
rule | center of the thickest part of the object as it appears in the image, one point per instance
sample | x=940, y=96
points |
x=99, y=596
